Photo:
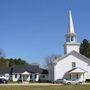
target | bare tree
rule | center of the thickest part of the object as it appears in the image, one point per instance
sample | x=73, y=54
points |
x=51, y=58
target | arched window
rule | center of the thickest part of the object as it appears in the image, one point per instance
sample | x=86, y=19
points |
x=72, y=38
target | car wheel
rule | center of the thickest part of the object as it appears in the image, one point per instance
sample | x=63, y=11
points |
x=68, y=83
x=80, y=83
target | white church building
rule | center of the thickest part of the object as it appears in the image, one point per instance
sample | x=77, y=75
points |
x=73, y=65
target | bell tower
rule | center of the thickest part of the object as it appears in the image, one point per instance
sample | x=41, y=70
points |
x=71, y=43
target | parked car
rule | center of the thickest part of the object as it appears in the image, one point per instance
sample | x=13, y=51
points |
x=67, y=82
x=3, y=80
x=60, y=81
x=74, y=81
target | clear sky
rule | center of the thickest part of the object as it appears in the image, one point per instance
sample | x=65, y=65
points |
x=34, y=29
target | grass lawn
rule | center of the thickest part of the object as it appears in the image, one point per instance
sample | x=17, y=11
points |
x=67, y=87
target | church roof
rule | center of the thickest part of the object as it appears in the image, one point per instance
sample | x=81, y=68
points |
x=71, y=53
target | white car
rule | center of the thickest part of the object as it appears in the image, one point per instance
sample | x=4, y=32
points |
x=73, y=81
x=67, y=82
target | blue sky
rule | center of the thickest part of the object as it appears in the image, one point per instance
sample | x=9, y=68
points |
x=34, y=29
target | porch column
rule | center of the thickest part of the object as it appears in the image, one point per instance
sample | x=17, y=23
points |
x=22, y=77
x=37, y=77
x=33, y=77
x=70, y=76
x=77, y=76
x=29, y=78
x=83, y=76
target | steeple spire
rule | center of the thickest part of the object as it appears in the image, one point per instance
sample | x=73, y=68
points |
x=71, y=26
x=71, y=37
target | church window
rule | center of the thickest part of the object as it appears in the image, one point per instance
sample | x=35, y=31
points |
x=73, y=64
x=71, y=38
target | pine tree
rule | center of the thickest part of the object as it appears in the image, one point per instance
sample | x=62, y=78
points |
x=85, y=48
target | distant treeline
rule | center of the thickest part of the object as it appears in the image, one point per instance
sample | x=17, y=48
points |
x=11, y=62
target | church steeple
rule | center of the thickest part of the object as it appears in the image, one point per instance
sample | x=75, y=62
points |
x=71, y=37
x=71, y=26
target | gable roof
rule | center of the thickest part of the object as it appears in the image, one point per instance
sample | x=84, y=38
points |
x=77, y=70
x=28, y=68
x=5, y=70
x=25, y=73
x=71, y=53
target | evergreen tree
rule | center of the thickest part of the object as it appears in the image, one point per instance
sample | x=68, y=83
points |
x=85, y=48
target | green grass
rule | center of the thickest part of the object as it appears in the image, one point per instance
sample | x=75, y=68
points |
x=67, y=87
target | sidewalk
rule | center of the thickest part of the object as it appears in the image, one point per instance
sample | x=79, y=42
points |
x=34, y=84
x=30, y=84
